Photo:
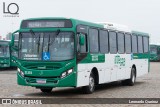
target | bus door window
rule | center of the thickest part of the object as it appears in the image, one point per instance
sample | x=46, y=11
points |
x=82, y=30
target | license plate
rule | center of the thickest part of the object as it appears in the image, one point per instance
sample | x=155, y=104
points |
x=41, y=81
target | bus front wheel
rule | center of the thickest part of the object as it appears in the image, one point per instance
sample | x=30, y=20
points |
x=46, y=90
x=91, y=87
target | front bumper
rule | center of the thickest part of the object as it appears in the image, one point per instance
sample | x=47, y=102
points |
x=68, y=81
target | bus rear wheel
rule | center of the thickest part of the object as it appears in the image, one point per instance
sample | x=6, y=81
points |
x=132, y=79
x=91, y=87
x=46, y=90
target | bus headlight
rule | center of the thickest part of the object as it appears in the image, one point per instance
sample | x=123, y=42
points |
x=64, y=74
x=21, y=73
x=69, y=71
x=18, y=70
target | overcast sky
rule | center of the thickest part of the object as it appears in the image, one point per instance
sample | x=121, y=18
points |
x=141, y=15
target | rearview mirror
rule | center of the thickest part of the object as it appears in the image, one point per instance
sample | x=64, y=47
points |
x=81, y=39
x=14, y=41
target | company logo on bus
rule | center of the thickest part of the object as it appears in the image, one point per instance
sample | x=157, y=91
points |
x=119, y=61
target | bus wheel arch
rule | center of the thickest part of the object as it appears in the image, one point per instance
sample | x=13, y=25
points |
x=132, y=79
x=93, y=80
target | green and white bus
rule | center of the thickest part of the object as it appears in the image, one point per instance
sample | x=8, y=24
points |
x=65, y=52
x=154, y=52
x=5, y=54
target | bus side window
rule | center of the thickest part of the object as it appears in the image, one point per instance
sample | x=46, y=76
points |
x=128, y=43
x=140, y=44
x=103, y=39
x=120, y=43
x=158, y=49
x=134, y=44
x=113, y=42
x=146, y=44
x=93, y=40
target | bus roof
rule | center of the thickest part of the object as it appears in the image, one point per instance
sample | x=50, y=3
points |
x=107, y=25
x=45, y=18
x=154, y=44
x=140, y=33
x=74, y=21
x=115, y=26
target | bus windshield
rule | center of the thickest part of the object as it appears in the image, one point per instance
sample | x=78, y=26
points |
x=46, y=46
x=4, y=51
x=153, y=50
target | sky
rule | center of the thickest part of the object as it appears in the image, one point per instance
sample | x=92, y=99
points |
x=140, y=15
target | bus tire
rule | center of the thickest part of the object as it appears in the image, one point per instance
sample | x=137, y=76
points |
x=91, y=87
x=46, y=90
x=132, y=79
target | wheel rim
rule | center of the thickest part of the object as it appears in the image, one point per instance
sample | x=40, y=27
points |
x=91, y=83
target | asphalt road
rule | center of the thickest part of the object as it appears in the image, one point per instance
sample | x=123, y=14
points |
x=147, y=86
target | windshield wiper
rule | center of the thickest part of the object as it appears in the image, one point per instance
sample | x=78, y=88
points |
x=33, y=34
x=37, y=39
x=58, y=31
x=52, y=40
x=49, y=42
x=38, y=43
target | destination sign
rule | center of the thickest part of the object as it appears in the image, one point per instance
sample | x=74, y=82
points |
x=46, y=23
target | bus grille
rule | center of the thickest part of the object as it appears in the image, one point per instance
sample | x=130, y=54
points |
x=42, y=67
x=48, y=80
